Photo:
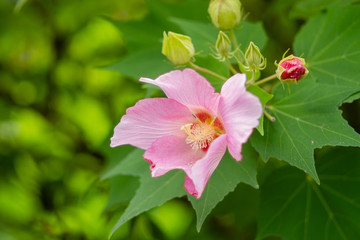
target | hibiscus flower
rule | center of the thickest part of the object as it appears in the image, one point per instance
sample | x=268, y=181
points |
x=191, y=128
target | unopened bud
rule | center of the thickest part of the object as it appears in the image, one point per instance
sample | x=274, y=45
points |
x=291, y=69
x=254, y=59
x=223, y=45
x=177, y=48
x=225, y=14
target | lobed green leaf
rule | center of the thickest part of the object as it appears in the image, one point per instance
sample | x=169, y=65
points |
x=331, y=46
x=307, y=118
x=295, y=207
x=226, y=177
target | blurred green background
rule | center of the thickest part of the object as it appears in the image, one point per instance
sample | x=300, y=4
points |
x=58, y=107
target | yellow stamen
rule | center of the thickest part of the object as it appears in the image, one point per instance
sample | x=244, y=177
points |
x=200, y=135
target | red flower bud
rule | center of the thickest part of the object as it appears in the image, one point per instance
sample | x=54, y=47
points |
x=291, y=69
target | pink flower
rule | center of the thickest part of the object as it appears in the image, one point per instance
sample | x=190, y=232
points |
x=190, y=129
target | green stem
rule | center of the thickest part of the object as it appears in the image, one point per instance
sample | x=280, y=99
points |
x=271, y=118
x=233, y=38
x=265, y=79
x=232, y=69
x=238, y=51
x=204, y=70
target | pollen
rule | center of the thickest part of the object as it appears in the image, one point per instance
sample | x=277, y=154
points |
x=200, y=135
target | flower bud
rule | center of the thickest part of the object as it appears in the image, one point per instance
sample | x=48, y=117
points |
x=291, y=69
x=254, y=59
x=223, y=45
x=225, y=14
x=177, y=48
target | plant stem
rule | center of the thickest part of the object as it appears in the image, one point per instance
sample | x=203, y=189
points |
x=265, y=79
x=238, y=53
x=271, y=118
x=204, y=70
x=233, y=38
x=232, y=69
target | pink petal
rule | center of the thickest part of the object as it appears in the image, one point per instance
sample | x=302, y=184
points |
x=149, y=120
x=196, y=180
x=189, y=88
x=171, y=152
x=240, y=111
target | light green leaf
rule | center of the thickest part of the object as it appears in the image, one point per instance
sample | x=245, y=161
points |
x=264, y=98
x=295, y=207
x=226, y=177
x=306, y=119
x=331, y=46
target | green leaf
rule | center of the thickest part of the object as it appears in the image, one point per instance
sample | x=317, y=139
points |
x=145, y=34
x=248, y=32
x=331, y=46
x=306, y=119
x=122, y=189
x=308, y=8
x=226, y=177
x=188, y=9
x=151, y=193
x=264, y=98
x=133, y=165
x=206, y=38
x=146, y=63
x=295, y=207
x=214, y=65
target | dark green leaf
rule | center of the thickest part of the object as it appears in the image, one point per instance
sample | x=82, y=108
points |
x=147, y=63
x=206, y=37
x=295, y=207
x=122, y=189
x=306, y=119
x=153, y=192
x=133, y=164
x=226, y=177
x=189, y=9
x=214, y=65
x=331, y=46
x=308, y=8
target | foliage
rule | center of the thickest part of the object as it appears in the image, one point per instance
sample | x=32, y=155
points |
x=68, y=75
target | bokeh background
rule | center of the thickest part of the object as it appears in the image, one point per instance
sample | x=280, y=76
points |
x=58, y=107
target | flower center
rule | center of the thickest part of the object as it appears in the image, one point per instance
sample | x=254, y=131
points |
x=203, y=131
x=200, y=135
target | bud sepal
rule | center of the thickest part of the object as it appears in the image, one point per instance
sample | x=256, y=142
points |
x=254, y=60
x=222, y=50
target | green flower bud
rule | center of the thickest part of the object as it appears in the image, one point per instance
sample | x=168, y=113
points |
x=223, y=45
x=225, y=14
x=177, y=48
x=254, y=59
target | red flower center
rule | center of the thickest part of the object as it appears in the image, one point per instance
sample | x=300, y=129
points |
x=203, y=131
